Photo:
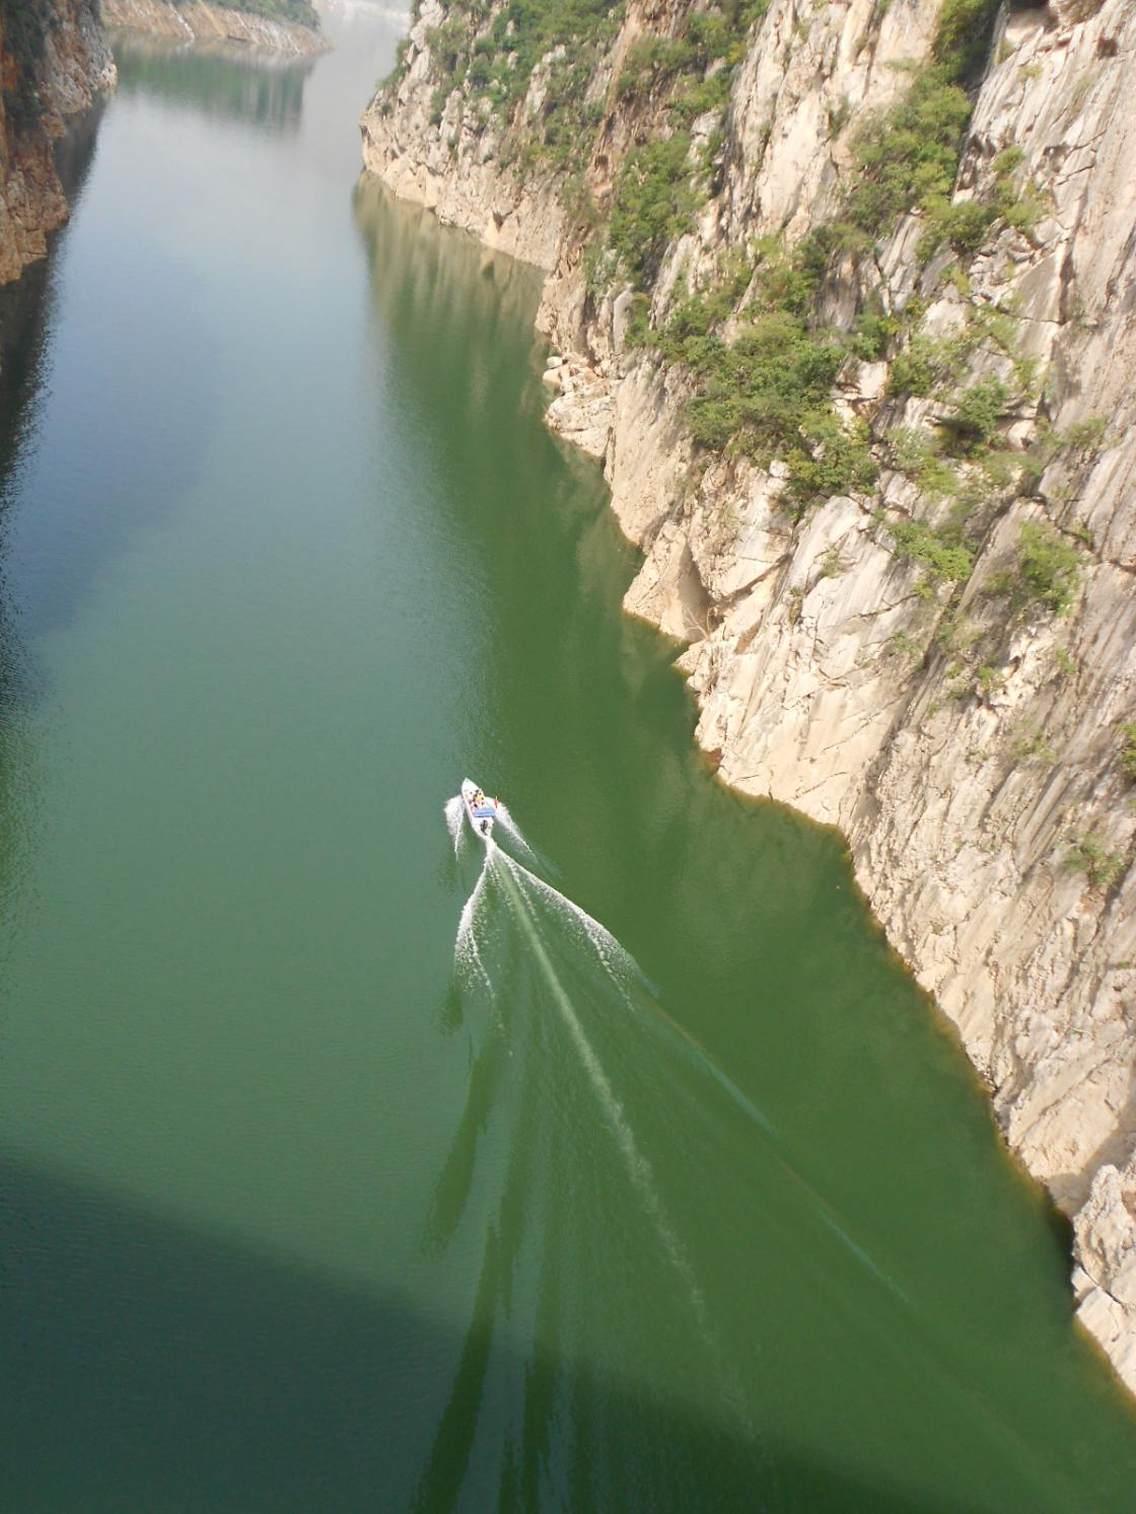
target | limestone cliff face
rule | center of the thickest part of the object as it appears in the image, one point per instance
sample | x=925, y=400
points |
x=968, y=723
x=200, y=21
x=54, y=60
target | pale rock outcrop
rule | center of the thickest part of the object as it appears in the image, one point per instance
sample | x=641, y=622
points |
x=199, y=21
x=827, y=675
x=450, y=164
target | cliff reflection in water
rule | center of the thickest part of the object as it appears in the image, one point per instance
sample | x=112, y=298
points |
x=216, y=81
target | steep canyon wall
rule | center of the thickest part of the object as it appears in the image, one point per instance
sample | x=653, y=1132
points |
x=843, y=293
x=53, y=62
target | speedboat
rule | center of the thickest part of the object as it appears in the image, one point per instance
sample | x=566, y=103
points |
x=482, y=811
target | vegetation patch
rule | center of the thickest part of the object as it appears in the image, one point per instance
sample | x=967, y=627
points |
x=943, y=555
x=975, y=414
x=1049, y=568
x=653, y=203
x=1128, y=751
x=1031, y=746
x=762, y=362
x=1090, y=855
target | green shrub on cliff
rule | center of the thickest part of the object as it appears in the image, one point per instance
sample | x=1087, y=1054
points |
x=653, y=202
x=1089, y=854
x=1047, y=573
x=1128, y=751
x=943, y=554
x=908, y=157
x=975, y=415
x=1049, y=568
x=767, y=395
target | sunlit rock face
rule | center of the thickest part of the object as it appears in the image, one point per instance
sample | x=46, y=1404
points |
x=198, y=21
x=54, y=60
x=967, y=734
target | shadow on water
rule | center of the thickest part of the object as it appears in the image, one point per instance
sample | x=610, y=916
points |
x=26, y=311
x=219, y=82
x=193, y=1374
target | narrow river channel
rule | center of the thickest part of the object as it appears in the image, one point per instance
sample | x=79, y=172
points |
x=298, y=1217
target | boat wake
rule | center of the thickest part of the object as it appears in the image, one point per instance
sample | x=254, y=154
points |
x=505, y=880
x=622, y=1134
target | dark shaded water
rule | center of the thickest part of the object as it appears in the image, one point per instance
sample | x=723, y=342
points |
x=292, y=1221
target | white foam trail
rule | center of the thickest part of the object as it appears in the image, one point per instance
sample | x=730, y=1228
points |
x=638, y=1167
x=455, y=821
x=520, y=841
x=617, y=962
x=466, y=955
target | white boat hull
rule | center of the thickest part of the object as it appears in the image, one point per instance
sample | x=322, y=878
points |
x=482, y=825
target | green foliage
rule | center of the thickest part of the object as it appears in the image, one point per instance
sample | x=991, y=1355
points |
x=1090, y=855
x=872, y=335
x=1030, y=746
x=962, y=39
x=499, y=63
x=943, y=555
x=391, y=79
x=963, y=224
x=652, y=61
x=977, y=411
x=653, y=203
x=449, y=43
x=698, y=96
x=759, y=391
x=908, y=156
x=1049, y=568
x=1087, y=435
x=916, y=454
x=1128, y=750
x=767, y=393
x=903, y=644
x=927, y=362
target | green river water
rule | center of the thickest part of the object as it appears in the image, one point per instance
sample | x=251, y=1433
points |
x=296, y=1216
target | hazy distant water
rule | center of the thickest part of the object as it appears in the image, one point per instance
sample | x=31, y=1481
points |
x=291, y=1221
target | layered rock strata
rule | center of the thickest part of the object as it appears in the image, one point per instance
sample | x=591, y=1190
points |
x=54, y=60
x=972, y=730
x=201, y=22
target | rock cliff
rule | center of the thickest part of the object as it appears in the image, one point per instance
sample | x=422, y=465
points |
x=269, y=29
x=843, y=293
x=53, y=62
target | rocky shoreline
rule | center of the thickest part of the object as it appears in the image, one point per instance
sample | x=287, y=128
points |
x=204, y=23
x=958, y=700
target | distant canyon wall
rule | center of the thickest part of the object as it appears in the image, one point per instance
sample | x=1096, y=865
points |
x=54, y=60
x=201, y=22
x=843, y=293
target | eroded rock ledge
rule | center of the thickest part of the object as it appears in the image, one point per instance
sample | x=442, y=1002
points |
x=970, y=728
x=204, y=22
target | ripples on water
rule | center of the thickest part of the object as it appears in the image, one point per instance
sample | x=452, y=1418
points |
x=570, y=1036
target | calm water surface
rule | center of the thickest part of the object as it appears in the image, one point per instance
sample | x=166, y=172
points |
x=292, y=1219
